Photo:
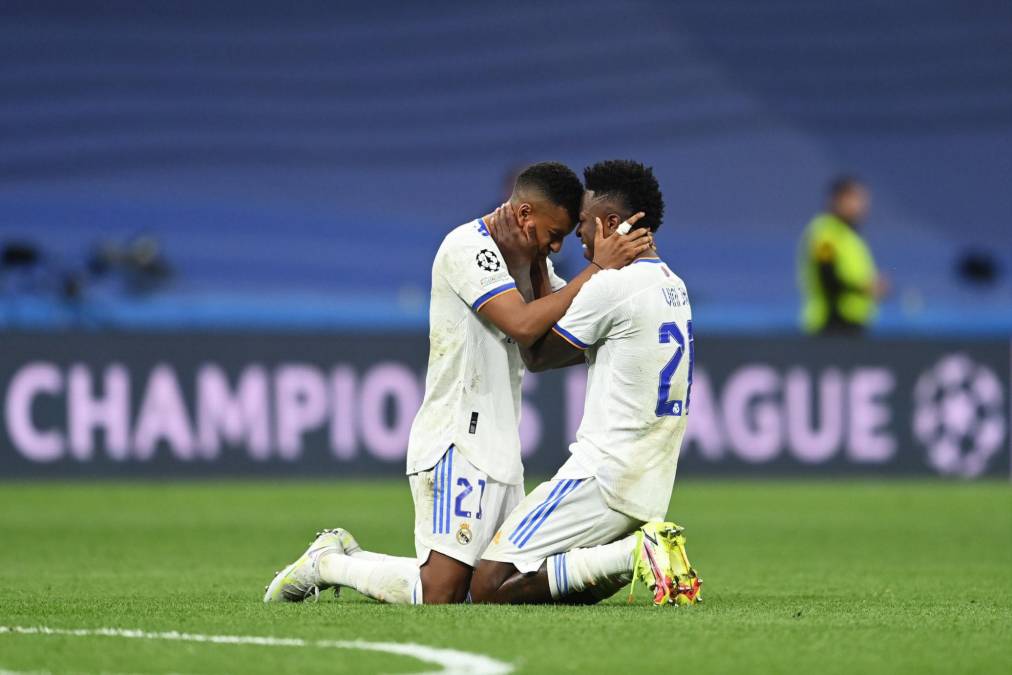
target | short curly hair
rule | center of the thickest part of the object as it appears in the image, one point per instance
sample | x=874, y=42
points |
x=557, y=182
x=632, y=184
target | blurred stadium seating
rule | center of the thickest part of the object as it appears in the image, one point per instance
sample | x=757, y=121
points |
x=300, y=166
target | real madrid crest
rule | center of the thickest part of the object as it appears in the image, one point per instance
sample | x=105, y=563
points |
x=464, y=534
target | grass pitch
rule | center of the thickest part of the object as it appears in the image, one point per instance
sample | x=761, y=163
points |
x=799, y=577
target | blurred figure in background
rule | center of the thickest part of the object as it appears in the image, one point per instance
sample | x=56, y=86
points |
x=840, y=285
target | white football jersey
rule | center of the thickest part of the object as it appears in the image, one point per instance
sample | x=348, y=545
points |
x=472, y=387
x=636, y=327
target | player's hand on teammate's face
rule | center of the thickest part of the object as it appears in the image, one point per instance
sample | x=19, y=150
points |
x=513, y=241
x=619, y=250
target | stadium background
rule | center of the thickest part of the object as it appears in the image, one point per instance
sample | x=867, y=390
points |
x=291, y=173
x=218, y=222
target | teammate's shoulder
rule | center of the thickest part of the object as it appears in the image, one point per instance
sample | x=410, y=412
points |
x=645, y=273
x=468, y=234
x=462, y=239
x=672, y=276
x=606, y=283
x=638, y=270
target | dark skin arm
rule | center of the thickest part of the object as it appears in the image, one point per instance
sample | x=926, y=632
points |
x=526, y=322
x=552, y=351
x=532, y=283
x=547, y=352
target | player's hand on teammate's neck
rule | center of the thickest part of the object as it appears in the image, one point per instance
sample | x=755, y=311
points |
x=651, y=251
x=615, y=250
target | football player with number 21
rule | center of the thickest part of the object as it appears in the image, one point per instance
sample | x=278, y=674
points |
x=463, y=461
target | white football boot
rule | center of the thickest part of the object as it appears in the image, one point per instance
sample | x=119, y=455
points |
x=301, y=580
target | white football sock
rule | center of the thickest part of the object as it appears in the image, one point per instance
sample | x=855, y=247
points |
x=576, y=570
x=389, y=580
x=362, y=554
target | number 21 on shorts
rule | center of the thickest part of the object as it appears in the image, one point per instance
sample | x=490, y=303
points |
x=466, y=490
x=668, y=333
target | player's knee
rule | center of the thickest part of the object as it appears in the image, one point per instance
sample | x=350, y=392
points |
x=444, y=581
x=488, y=578
x=482, y=589
x=442, y=593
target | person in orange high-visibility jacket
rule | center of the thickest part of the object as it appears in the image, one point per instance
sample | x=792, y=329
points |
x=840, y=284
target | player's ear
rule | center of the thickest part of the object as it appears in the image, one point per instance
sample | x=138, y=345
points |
x=612, y=222
x=524, y=214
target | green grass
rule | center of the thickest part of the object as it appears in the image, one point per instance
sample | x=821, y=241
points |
x=800, y=577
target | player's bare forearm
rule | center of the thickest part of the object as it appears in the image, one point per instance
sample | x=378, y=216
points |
x=525, y=286
x=548, y=351
x=527, y=322
x=551, y=351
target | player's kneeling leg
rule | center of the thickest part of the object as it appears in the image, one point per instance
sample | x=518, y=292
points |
x=502, y=582
x=444, y=580
x=458, y=508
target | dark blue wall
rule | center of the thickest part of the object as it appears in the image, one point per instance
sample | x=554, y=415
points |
x=324, y=148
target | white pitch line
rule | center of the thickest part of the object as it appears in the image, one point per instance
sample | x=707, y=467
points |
x=453, y=662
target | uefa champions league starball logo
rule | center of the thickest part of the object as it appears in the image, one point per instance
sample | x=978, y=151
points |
x=488, y=260
x=959, y=415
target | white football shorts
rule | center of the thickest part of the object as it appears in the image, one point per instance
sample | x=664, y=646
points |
x=458, y=508
x=567, y=512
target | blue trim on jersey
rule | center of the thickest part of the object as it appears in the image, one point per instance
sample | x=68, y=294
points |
x=648, y=260
x=565, y=573
x=448, y=492
x=561, y=574
x=535, y=511
x=476, y=305
x=442, y=492
x=569, y=337
x=483, y=228
x=523, y=534
x=536, y=524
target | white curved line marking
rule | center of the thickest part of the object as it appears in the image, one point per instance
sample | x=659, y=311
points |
x=452, y=661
